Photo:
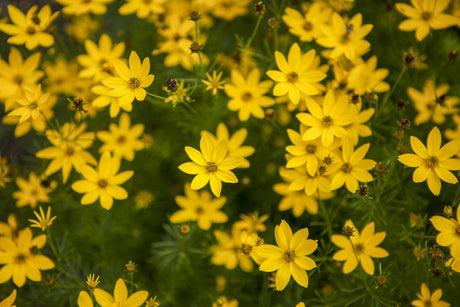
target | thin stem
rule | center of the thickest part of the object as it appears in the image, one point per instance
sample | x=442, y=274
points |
x=53, y=247
x=156, y=96
x=248, y=44
x=326, y=217
x=395, y=85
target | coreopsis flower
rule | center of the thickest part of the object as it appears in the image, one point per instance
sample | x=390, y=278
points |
x=307, y=26
x=425, y=15
x=68, y=150
x=31, y=104
x=143, y=199
x=122, y=140
x=359, y=248
x=345, y=38
x=210, y=165
x=103, y=183
x=29, y=29
x=353, y=168
x=327, y=121
x=251, y=223
x=92, y=281
x=299, y=179
x=358, y=128
x=43, y=221
x=199, y=207
x=425, y=298
x=289, y=257
x=365, y=78
x=103, y=99
x=32, y=191
x=142, y=8
x=296, y=76
x=130, y=83
x=413, y=59
x=433, y=162
x=9, y=301
x=83, y=7
x=98, y=63
x=229, y=9
x=213, y=83
x=61, y=76
x=433, y=103
x=247, y=95
x=234, y=142
x=10, y=229
x=120, y=296
x=449, y=232
x=21, y=258
x=223, y=301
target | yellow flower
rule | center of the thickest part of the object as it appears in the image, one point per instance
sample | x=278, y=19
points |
x=365, y=78
x=308, y=26
x=327, y=121
x=142, y=8
x=83, y=7
x=346, y=38
x=143, y=199
x=84, y=300
x=433, y=162
x=199, y=207
x=210, y=165
x=130, y=83
x=289, y=257
x=428, y=299
x=32, y=191
x=122, y=140
x=61, y=76
x=21, y=259
x=8, y=302
x=30, y=105
x=120, y=296
x=43, y=221
x=299, y=179
x=104, y=100
x=359, y=248
x=213, y=83
x=433, y=103
x=68, y=149
x=252, y=223
x=10, y=229
x=230, y=9
x=92, y=281
x=419, y=252
x=423, y=15
x=354, y=168
x=450, y=232
x=296, y=76
x=224, y=302
x=29, y=29
x=103, y=183
x=99, y=62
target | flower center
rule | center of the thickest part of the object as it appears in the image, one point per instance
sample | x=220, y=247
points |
x=327, y=121
x=30, y=30
x=426, y=16
x=35, y=19
x=311, y=148
x=102, y=183
x=457, y=230
x=32, y=105
x=18, y=79
x=292, y=77
x=359, y=248
x=431, y=162
x=346, y=168
x=427, y=304
x=134, y=83
x=307, y=26
x=147, y=1
x=289, y=256
x=211, y=167
x=121, y=139
x=246, y=249
x=199, y=210
x=246, y=96
x=20, y=259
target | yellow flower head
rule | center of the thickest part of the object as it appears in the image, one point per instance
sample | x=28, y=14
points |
x=307, y=26
x=43, y=221
x=425, y=298
x=120, y=296
x=359, y=248
x=92, y=281
x=433, y=162
x=83, y=7
x=450, y=232
x=103, y=183
x=142, y=8
x=296, y=75
x=30, y=105
x=213, y=83
x=32, y=191
x=130, y=83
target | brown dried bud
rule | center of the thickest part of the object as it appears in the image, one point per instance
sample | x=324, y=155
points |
x=436, y=254
x=354, y=98
x=195, y=16
x=260, y=8
x=171, y=85
x=348, y=231
x=130, y=266
x=270, y=113
x=49, y=281
x=184, y=229
x=273, y=23
x=447, y=211
x=78, y=104
x=195, y=47
x=362, y=191
x=403, y=149
x=404, y=123
x=381, y=279
x=452, y=56
x=409, y=59
x=380, y=168
x=400, y=105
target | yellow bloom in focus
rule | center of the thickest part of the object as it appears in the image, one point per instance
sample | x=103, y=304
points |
x=365, y=78
x=30, y=105
x=142, y=8
x=296, y=76
x=425, y=15
x=450, y=232
x=425, y=298
x=199, y=207
x=289, y=257
x=103, y=183
x=122, y=140
x=32, y=191
x=307, y=26
x=247, y=96
x=210, y=165
x=359, y=248
x=346, y=38
x=29, y=29
x=130, y=83
x=68, y=149
x=120, y=296
x=433, y=162
x=21, y=259
x=433, y=103
x=83, y=7
x=8, y=302
x=92, y=281
x=327, y=121
x=43, y=221
x=213, y=83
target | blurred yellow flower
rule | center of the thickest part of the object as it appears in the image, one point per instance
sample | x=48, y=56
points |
x=31, y=104
x=84, y=300
x=213, y=83
x=32, y=191
x=82, y=7
x=142, y=8
x=425, y=298
x=9, y=301
x=120, y=296
x=307, y=26
x=449, y=232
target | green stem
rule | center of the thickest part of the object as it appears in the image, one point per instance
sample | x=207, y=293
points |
x=326, y=217
x=248, y=44
x=156, y=96
x=395, y=85
x=53, y=247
